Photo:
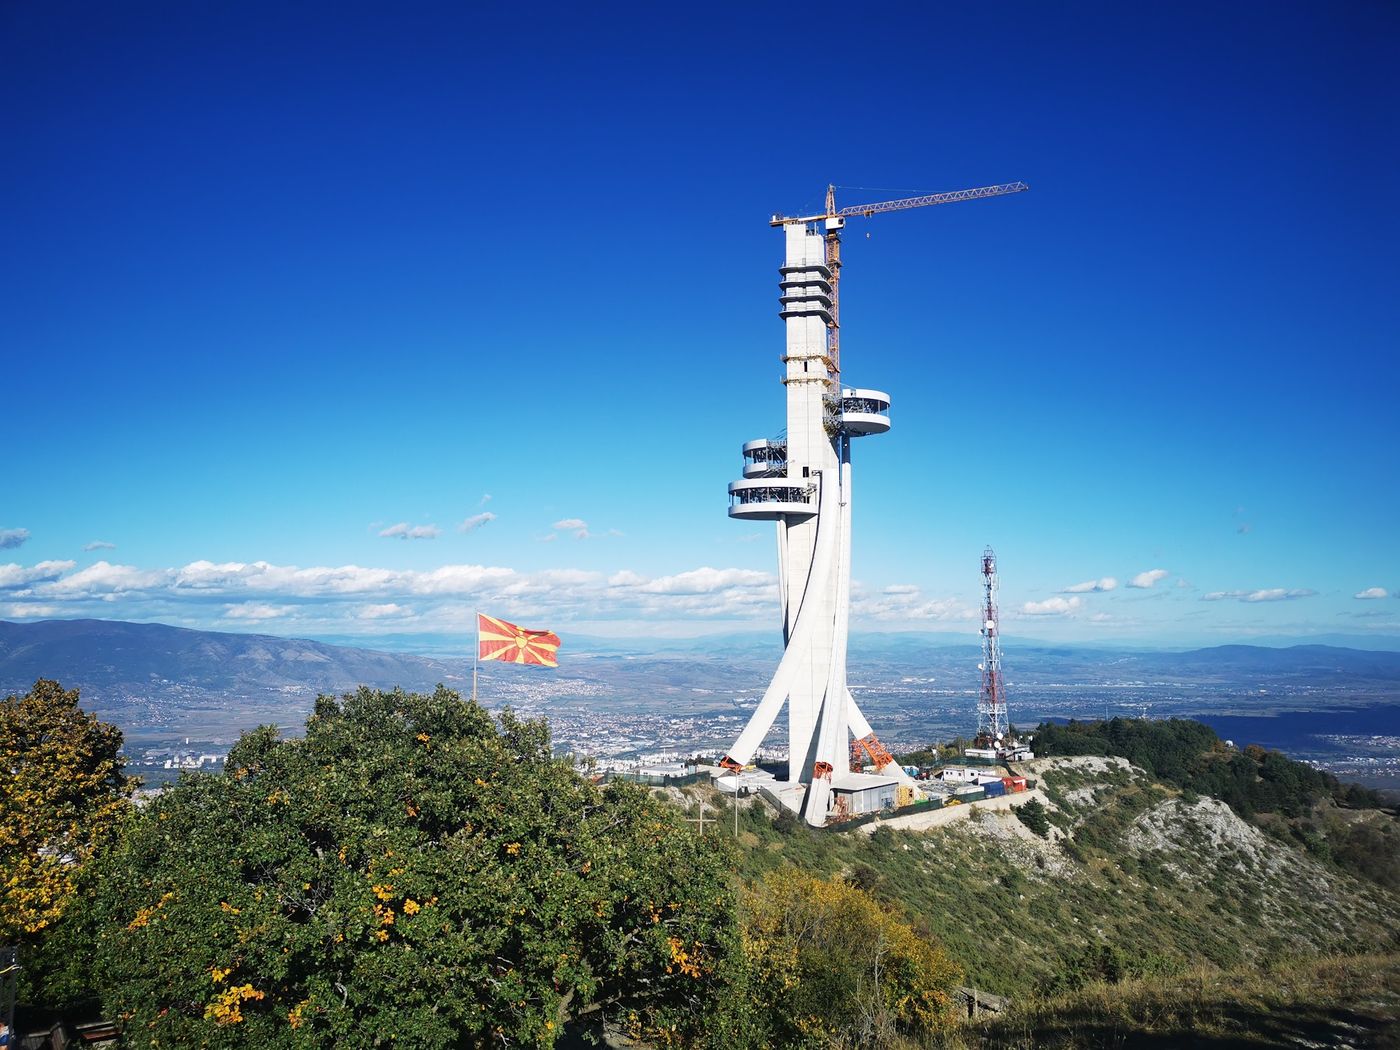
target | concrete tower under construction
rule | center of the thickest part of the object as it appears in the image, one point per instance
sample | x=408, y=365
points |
x=802, y=481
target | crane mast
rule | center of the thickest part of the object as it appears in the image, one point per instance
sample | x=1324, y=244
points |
x=835, y=220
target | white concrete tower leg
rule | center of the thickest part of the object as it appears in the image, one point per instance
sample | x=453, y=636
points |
x=786, y=680
x=784, y=599
x=831, y=745
x=811, y=642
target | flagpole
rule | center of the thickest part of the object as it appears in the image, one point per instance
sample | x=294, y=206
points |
x=476, y=652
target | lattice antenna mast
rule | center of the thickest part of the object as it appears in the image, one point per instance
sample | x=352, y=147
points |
x=991, y=704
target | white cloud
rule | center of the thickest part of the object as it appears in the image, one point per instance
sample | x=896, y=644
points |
x=1279, y=594
x=909, y=606
x=901, y=588
x=12, y=575
x=1270, y=594
x=351, y=599
x=1372, y=592
x=1052, y=607
x=382, y=611
x=99, y=545
x=28, y=611
x=1108, y=583
x=485, y=499
x=476, y=521
x=256, y=611
x=11, y=538
x=1148, y=578
x=577, y=526
x=707, y=581
x=404, y=531
x=104, y=578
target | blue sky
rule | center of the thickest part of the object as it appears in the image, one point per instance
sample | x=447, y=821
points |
x=278, y=279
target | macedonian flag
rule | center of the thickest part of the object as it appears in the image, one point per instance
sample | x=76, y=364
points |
x=498, y=640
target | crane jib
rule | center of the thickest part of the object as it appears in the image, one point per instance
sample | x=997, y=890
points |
x=935, y=198
x=907, y=202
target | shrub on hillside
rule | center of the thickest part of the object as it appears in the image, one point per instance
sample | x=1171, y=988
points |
x=832, y=966
x=410, y=872
x=1107, y=964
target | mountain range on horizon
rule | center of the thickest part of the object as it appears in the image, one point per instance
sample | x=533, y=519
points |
x=102, y=656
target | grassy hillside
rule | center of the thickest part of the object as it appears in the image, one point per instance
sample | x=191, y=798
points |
x=1135, y=880
x=1314, y=1002
x=1343, y=824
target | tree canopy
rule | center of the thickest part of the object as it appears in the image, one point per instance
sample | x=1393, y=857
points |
x=62, y=794
x=410, y=872
x=1189, y=755
x=833, y=966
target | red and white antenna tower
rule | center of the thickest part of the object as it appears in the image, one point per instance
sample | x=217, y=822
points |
x=991, y=704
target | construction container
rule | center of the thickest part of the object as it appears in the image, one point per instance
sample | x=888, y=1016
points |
x=969, y=793
x=1014, y=783
x=958, y=774
x=903, y=796
x=995, y=789
x=864, y=793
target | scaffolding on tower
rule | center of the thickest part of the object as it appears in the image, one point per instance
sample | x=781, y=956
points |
x=992, y=726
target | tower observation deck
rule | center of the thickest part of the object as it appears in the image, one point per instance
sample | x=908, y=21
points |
x=802, y=482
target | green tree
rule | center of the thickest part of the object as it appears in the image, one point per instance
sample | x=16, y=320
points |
x=62, y=794
x=1033, y=815
x=832, y=966
x=410, y=872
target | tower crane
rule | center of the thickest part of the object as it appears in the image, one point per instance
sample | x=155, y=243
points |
x=835, y=220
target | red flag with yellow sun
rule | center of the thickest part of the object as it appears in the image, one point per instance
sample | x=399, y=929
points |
x=499, y=640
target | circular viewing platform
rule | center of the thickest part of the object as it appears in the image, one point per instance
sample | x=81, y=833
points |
x=769, y=499
x=765, y=458
x=864, y=411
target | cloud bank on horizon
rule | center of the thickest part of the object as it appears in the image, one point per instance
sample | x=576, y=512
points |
x=369, y=600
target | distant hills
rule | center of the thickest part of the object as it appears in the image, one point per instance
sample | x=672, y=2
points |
x=107, y=654
x=153, y=677
x=156, y=681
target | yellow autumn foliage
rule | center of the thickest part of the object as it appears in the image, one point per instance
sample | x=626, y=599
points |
x=63, y=793
x=839, y=968
x=227, y=1007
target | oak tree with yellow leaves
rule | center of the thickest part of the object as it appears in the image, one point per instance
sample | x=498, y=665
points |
x=63, y=793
